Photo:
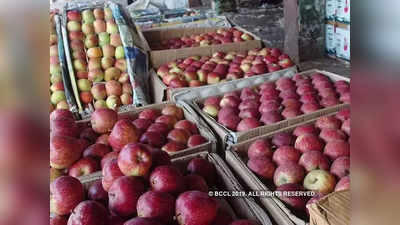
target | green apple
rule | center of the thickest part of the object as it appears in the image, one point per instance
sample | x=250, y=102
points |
x=119, y=52
x=88, y=16
x=104, y=39
x=57, y=97
x=84, y=85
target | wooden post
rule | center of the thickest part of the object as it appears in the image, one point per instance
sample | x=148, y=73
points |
x=304, y=29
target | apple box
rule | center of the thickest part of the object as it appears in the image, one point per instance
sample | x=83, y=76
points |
x=342, y=41
x=343, y=11
x=238, y=208
x=227, y=136
x=291, y=212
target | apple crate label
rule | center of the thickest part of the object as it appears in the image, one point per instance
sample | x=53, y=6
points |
x=343, y=42
x=343, y=11
x=330, y=46
x=330, y=10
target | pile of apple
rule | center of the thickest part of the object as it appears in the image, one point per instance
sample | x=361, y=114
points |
x=198, y=71
x=314, y=157
x=98, y=56
x=57, y=94
x=82, y=148
x=142, y=187
x=272, y=102
x=221, y=36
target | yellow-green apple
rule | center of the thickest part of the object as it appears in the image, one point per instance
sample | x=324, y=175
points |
x=73, y=26
x=112, y=73
x=84, y=84
x=88, y=16
x=319, y=181
x=104, y=39
x=88, y=28
x=112, y=27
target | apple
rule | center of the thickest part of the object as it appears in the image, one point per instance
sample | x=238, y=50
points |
x=102, y=139
x=84, y=166
x=94, y=64
x=211, y=110
x=230, y=101
x=328, y=122
x=108, y=15
x=64, y=151
x=288, y=173
x=96, y=150
x=167, y=179
x=155, y=139
x=159, y=158
x=195, y=207
x=65, y=193
x=309, y=142
x=305, y=129
x=203, y=168
x=103, y=120
x=195, y=182
x=89, y=212
x=112, y=73
x=262, y=166
x=110, y=170
x=329, y=134
x=97, y=193
x=79, y=54
x=260, y=148
x=229, y=121
x=312, y=160
x=271, y=117
x=172, y=110
x=343, y=114
x=247, y=37
x=268, y=106
x=134, y=160
x=156, y=205
x=104, y=39
x=341, y=167
x=296, y=202
x=283, y=139
x=320, y=181
x=58, y=220
x=336, y=149
x=346, y=126
x=196, y=140
x=94, y=52
x=124, y=194
x=99, y=91
x=100, y=104
x=119, y=52
x=74, y=15
x=248, y=124
x=99, y=26
x=88, y=28
x=73, y=26
x=171, y=147
x=77, y=45
x=286, y=154
x=343, y=184
x=187, y=125
x=61, y=113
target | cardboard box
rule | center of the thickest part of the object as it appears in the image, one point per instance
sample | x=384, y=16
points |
x=236, y=156
x=190, y=115
x=333, y=209
x=330, y=45
x=159, y=57
x=136, y=59
x=342, y=41
x=227, y=137
x=241, y=208
x=330, y=9
x=343, y=11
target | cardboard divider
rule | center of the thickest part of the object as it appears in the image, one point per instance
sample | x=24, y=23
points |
x=240, y=208
x=190, y=115
x=227, y=137
x=236, y=157
x=331, y=209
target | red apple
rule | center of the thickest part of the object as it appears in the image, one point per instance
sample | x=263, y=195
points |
x=332, y=134
x=171, y=147
x=124, y=194
x=89, y=212
x=260, y=148
x=196, y=208
x=142, y=124
x=336, y=149
x=186, y=125
x=328, y=122
x=155, y=139
x=110, y=173
x=262, y=166
x=286, y=154
x=65, y=193
x=64, y=151
x=341, y=167
x=308, y=142
x=312, y=160
x=172, y=110
x=149, y=114
x=346, y=126
x=134, y=160
x=156, y=205
x=343, y=184
x=282, y=139
x=84, y=166
x=123, y=133
x=167, y=179
x=103, y=120
x=196, y=140
x=305, y=129
x=97, y=193
x=248, y=124
x=159, y=127
x=168, y=120
x=271, y=117
x=295, y=202
x=203, y=168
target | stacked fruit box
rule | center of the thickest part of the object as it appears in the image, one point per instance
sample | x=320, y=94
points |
x=243, y=109
x=80, y=148
x=61, y=96
x=101, y=58
x=168, y=192
x=184, y=59
x=311, y=156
